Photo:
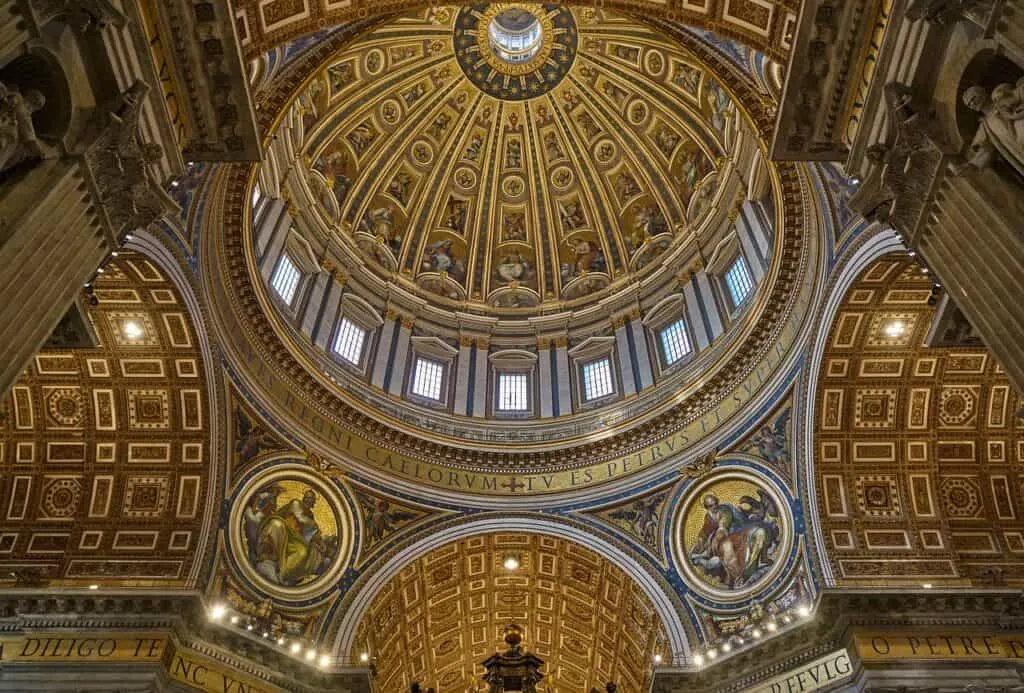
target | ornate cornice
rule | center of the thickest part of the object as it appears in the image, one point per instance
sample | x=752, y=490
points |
x=178, y=618
x=839, y=615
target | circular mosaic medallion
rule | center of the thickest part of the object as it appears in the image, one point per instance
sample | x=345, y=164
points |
x=733, y=535
x=515, y=51
x=390, y=111
x=605, y=152
x=562, y=178
x=637, y=112
x=465, y=178
x=513, y=186
x=374, y=61
x=422, y=152
x=654, y=62
x=291, y=532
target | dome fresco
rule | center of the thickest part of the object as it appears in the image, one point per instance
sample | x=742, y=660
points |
x=514, y=188
x=472, y=238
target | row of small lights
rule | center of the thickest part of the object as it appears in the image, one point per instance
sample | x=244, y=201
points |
x=131, y=328
x=219, y=612
x=512, y=563
x=803, y=611
x=896, y=328
x=88, y=286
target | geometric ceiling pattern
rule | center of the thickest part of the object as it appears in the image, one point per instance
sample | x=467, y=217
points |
x=443, y=614
x=765, y=25
x=424, y=156
x=918, y=450
x=105, y=451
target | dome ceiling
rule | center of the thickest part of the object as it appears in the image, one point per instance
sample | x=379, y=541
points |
x=514, y=182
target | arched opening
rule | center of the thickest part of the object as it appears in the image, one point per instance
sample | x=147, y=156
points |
x=443, y=614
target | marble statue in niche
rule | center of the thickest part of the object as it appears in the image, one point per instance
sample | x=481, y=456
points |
x=1001, y=130
x=733, y=535
x=18, y=141
x=290, y=533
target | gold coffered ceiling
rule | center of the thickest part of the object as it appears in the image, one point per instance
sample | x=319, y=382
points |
x=105, y=451
x=443, y=614
x=917, y=449
x=430, y=161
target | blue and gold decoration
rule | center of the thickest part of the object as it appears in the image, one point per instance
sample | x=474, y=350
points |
x=515, y=51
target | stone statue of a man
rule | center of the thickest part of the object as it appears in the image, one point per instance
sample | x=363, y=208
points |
x=1001, y=131
x=18, y=140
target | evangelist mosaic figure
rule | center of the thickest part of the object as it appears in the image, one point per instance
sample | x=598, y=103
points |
x=285, y=542
x=736, y=544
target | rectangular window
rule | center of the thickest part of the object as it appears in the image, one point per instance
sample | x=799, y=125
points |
x=597, y=379
x=348, y=343
x=285, y=279
x=675, y=342
x=426, y=379
x=512, y=390
x=739, y=281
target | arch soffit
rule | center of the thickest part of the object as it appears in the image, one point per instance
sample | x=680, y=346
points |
x=664, y=603
x=154, y=247
x=871, y=246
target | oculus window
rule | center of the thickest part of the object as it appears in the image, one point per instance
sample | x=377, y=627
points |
x=516, y=35
x=285, y=279
x=675, y=342
x=512, y=392
x=348, y=343
x=597, y=379
x=426, y=379
x=738, y=281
